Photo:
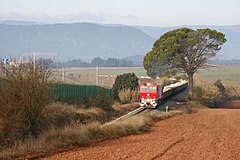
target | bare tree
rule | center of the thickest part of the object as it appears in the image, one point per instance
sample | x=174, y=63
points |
x=23, y=96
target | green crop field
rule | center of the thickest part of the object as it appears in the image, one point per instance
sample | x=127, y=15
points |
x=228, y=74
x=139, y=71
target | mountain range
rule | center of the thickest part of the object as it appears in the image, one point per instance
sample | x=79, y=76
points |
x=88, y=40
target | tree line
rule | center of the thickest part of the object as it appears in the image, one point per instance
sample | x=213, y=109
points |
x=110, y=62
x=225, y=61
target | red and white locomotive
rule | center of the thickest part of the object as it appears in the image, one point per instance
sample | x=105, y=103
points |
x=153, y=94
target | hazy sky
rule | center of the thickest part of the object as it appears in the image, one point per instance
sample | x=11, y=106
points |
x=132, y=12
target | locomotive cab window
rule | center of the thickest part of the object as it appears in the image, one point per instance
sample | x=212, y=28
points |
x=144, y=89
x=153, y=89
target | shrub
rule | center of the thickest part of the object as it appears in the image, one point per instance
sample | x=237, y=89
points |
x=23, y=96
x=125, y=81
x=211, y=95
x=103, y=101
x=135, y=94
x=125, y=96
x=58, y=115
x=232, y=93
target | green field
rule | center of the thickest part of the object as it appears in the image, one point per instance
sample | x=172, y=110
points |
x=228, y=74
x=139, y=71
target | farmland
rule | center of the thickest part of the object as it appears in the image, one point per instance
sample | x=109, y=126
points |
x=204, y=134
x=139, y=71
x=228, y=74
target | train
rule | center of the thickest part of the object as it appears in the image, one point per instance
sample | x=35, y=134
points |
x=153, y=94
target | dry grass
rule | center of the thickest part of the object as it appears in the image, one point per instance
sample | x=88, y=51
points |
x=209, y=95
x=60, y=114
x=135, y=94
x=132, y=125
x=125, y=96
x=54, y=140
x=209, y=90
x=233, y=91
x=82, y=135
x=196, y=104
x=125, y=107
x=72, y=135
x=156, y=115
x=91, y=111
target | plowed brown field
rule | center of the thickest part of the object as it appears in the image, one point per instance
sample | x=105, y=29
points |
x=204, y=134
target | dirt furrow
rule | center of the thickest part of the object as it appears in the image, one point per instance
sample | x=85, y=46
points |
x=205, y=134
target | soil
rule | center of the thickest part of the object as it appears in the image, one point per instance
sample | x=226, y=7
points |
x=209, y=134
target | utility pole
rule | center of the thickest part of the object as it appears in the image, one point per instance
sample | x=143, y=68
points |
x=97, y=76
x=63, y=75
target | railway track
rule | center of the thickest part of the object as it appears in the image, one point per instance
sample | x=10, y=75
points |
x=165, y=103
x=130, y=114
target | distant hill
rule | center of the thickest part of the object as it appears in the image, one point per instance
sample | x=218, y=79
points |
x=86, y=41
x=14, y=22
x=71, y=41
x=136, y=59
x=230, y=50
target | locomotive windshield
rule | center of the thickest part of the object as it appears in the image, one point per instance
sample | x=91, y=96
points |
x=144, y=89
x=153, y=89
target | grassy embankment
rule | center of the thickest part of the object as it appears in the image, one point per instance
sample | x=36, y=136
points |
x=81, y=128
x=209, y=94
x=33, y=124
x=229, y=76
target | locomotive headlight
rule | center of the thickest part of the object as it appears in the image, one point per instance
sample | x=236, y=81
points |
x=143, y=102
x=153, y=102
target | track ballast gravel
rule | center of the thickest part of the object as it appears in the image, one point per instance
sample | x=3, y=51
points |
x=209, y=134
